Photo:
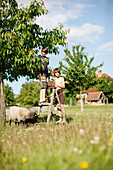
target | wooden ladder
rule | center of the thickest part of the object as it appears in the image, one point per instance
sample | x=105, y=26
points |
x=53, y=95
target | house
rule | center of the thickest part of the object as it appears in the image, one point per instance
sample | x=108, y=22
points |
x=100, y=74
x=91, y=90
x=96, y=98
x=93, y=96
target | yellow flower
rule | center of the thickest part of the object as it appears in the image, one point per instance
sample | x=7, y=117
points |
x=111, y=139
x=83, y=165
x=24, y=159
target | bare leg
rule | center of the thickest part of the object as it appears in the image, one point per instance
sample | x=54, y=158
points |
x=42, y=95
x=60, y=115
x=64, y=114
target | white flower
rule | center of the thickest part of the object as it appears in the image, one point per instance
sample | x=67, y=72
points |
x=75, y=149
x=80, y=151
x=81, y=132
x=2, y=140
x=92, y=141
x=24, y=143
x=96, y=139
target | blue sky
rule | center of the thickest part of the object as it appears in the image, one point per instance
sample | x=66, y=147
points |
x=91, y=25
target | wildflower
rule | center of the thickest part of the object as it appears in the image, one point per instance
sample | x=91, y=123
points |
x=24, y=159
x=2, y=140
x=81, y=132
x=111, y=139
x=80, y=152
x=75, y=149
x=30, y=128
x=92, y=141
x=24, y=142
x=96, y=139
x=83, y=165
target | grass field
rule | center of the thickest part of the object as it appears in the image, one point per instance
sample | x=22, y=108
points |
x=85, y=142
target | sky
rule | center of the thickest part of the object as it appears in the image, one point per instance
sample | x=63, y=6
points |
x=91, y=25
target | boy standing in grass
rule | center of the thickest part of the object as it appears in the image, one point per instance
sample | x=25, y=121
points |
x=60, y=85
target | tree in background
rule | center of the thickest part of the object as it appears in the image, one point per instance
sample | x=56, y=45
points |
x=20, y=41
x=78, y=71
x=105, y=84
x=9, y=95
x=29, y=94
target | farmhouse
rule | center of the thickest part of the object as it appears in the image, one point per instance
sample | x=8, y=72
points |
x=95, y=97
x=100, y=74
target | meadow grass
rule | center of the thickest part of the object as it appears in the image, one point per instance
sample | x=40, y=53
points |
x=85, y=142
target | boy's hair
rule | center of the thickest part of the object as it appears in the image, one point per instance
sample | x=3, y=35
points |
x=57, y=70
x=45, y=50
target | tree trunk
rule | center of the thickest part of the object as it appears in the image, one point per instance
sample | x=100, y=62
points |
x=2, y=101
x=82, y=109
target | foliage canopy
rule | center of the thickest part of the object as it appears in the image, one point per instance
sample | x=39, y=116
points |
x=78, y=70
x=9, y=95
x=21, y=38
x=29, y=94
x=105, y=84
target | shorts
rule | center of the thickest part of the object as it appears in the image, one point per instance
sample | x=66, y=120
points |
x=43, y=81
x=60, y=93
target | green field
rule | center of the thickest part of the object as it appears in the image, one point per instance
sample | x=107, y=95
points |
x=85, y=142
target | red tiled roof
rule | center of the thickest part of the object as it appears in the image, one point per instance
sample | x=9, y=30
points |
x=93, y=96
x=106, y=75
x=91, y=90
x=100, y=74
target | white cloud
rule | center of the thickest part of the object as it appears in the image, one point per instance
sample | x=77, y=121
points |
x=55, y=16
x=58, y=14
x=51, y=21
x=24, y=2
x=107, y=47
x=55, y=7
x=61, y=11
x=76, y=10
x=87, y=32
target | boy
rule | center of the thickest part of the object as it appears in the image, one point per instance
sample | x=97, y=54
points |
x=60, y=85
x=44, y=61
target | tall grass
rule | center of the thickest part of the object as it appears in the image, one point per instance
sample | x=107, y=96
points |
x=85, y=142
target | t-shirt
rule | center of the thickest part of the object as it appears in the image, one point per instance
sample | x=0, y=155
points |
x=44, y=61
x=59, y=81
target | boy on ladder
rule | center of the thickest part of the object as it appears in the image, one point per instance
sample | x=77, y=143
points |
x=44, y=61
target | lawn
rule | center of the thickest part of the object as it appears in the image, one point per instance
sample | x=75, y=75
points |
x=85, y=142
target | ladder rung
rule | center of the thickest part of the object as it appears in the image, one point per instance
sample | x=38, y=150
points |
x=48, y=96
x=44, y=104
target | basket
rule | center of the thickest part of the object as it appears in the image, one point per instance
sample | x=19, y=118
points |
x=51, y=84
